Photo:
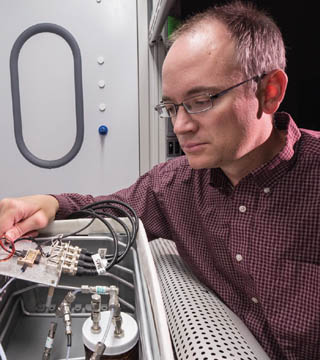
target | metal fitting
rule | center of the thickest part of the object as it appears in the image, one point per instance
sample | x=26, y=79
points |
x=115, y=305
x=99, y=350
x=101, y=290
x=114, y=299
x=118, y=331
x=95, y=313
x=49, y=341
x=63, y=311
x=70, y=269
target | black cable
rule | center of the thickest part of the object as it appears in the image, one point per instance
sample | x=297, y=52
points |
x=78, y=231
x=69, y=340
x=86, y=255
x=87, y=272
x=108, y=204
x=85, y=258
x=86, y=264
x=100, y=210
x=133, y=218
x=90, y=214
x=63, y=237
x=128, y=234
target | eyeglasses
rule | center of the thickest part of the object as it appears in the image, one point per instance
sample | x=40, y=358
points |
x=197, y=104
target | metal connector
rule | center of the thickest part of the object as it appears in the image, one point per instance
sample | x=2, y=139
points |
x=118, y=331
x=95, y=313
x=101, y=290
x=115, y=305
x=63, y=311
x=70, y=268
x=49, y=341
x=99, y=350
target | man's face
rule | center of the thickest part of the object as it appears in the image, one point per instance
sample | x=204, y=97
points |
x=203, y=62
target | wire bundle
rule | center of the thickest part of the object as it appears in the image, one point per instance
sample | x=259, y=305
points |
x=100, y=210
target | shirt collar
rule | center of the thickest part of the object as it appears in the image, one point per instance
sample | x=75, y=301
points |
x=269, y=173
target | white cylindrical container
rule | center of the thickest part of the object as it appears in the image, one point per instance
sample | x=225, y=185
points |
x=124, y=348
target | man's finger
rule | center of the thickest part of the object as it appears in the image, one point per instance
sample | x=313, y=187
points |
x=26, y=226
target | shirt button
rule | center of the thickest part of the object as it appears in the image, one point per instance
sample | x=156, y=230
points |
x=255, y=300
x=242, y=209
x=239, y=257
x=266, y=190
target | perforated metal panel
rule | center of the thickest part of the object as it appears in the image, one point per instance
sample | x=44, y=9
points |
x=201, y=326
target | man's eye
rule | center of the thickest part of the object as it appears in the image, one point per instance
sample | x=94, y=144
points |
x=201, y=101
x=170, y=108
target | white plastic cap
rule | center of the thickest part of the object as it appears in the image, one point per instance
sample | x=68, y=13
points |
x=114, y=345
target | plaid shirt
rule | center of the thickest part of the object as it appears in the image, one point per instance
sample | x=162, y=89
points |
x=256, y=245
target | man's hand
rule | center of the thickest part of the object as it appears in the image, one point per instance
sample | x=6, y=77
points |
x=21, y=216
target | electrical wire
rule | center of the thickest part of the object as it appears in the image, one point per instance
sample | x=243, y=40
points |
x=3, y=247
x=69, y=340
x=32, y=239
x=128, y=233
x=78, y=231
x=76, y=291
x=114, y=235
x=100, y=210
x=108, y=326
x=12, y=248
x=6, y=285
x=11, y=251
x=2, y=353
x=65, y=236
x=68, y=352
x=115, y=205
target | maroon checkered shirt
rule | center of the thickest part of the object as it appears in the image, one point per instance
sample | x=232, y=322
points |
x=256, y=245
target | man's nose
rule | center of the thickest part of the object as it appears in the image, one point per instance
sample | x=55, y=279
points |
x=183, y=121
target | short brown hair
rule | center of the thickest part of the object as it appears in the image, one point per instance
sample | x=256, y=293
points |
x=258, y=40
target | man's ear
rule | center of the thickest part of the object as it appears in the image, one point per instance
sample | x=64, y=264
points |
x=271, y=91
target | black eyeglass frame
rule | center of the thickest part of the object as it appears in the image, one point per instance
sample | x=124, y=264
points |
x=158, y=108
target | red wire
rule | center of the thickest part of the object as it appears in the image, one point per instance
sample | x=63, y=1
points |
x=11, y=251
x=3, y=247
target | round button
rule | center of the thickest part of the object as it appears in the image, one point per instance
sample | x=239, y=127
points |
x=255, y=300
x=103, y=130
x=239, y=257
x=266, y=190
x=101, y=84
x=102, y=107
x=100, y=60
x=242, y=209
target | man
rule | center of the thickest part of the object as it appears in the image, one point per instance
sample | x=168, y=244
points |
x=243, y=205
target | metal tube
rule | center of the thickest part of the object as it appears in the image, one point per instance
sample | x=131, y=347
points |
x=12, y=313
x=129, y=285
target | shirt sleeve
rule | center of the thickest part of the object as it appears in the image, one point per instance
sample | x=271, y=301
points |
x=145, y=196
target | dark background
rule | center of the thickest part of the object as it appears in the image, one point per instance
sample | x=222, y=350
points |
x=298, y=23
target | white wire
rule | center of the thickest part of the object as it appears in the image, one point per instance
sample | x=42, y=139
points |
x=68, y=352
x=6, y=284
x=74, y=292
x=2, y=353
x=108, y=326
